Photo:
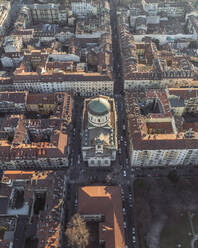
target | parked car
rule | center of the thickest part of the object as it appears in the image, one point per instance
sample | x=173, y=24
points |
x=124, y=211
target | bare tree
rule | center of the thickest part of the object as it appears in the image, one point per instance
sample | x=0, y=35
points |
x=77, y=232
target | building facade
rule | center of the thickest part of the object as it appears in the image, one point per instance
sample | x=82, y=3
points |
x=20, y=193
x=77, y=83
x=48, y=13
x=83, y=8
x=162, y=126
x=34, y=131
x=4, y=16
x=147, y=66
x=103, y=205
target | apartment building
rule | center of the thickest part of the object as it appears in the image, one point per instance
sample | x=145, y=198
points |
x=4, y=16
x=48, y=13
x=34, y=130
x=143, y=62
x=162, y=127
x=75, y=83
x=192, y=24
x=42, y=71
x=23, y=20
x=83, y=8
x=102, y=205
x=32, y=208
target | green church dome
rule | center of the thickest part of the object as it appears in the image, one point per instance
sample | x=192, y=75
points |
x=99, y=106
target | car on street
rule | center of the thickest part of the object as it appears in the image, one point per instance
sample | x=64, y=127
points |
x=124, y=173
x=68, y=194
x=124, y=211
x=76, y=203
x=123, y=198
x=124, y=224
x=122, y=191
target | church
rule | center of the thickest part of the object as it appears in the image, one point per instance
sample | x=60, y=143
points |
x=99, y=134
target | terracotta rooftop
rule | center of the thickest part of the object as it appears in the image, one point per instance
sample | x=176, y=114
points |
x=5, y=243
x=67, y=76
x=184, y=93
x=154, y=64
x=24, y=128
x=48, y=223
x=104, y=200
x=40, y=99
x=16, y=97
x=175, y=134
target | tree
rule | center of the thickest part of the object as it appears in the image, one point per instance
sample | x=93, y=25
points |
x=193, y=44
x=77, y=232
x=173, y=177
x=157, y=42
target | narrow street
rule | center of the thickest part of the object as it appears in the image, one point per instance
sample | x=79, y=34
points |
x=120, y=172
x=117, y=59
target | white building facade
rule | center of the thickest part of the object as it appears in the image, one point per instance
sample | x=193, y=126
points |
x=47, y=13
x=83, y=8
x=83, y=88
x=174, y=157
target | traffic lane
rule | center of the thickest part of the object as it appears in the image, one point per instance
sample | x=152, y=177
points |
x=128, y=219
x=128, y=208
x=74, y=161
x=71, y=200
x=76, y=144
